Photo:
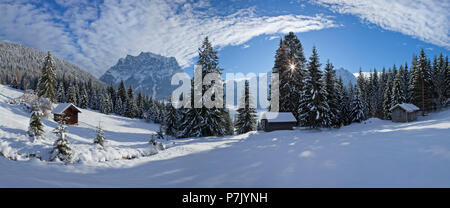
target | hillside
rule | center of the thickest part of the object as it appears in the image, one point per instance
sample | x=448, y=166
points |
x=29, y=61
x=148, y=73
x=374, y=153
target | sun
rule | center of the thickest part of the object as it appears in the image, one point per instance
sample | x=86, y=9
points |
x=292, y=67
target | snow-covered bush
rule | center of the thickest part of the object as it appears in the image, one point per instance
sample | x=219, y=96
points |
x=28, y=99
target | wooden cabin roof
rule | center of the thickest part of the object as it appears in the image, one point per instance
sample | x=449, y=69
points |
x=63, y=107
x=279, y=117
x=408, y=107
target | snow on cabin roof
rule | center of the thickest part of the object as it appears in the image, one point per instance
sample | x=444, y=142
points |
x=408, y=107
x=278, y=117
x=62, y=107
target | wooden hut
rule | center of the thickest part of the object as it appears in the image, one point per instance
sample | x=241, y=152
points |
x=271, y=121
x=69, y=111
x=404, y=112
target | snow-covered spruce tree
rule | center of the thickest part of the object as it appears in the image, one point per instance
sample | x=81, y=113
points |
x=344, y=113
x=362, y=84
x=329, y=79
x=171, y=120
x=421, y=91
x=131, y=105
x=47, y=82
x=205, y=121
x=61, y=93
x=112, y=95
x=107, y=104
x=84, y=102
x=61, y=147
x=358, y=106
x=314, y=109
x=439, y=82
x=290, y=65
x=139, y=105
x=373, y=93
x=246, y=116
x=387, y=99
x=72, y=95
x=411, y=79
x=447, y=75
x=100, y=138
x=122, y=93
x=405, y=83
x=36, y=128
x=118, y=108
x=398, y=96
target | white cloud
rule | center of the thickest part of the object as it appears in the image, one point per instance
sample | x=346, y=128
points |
x=425, y=20
x=95, y=36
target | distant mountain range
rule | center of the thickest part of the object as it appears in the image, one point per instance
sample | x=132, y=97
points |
x=148, y=73
x=18, y=57
x=346, y=76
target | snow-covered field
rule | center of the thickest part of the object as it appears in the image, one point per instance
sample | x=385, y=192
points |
x=375, y=153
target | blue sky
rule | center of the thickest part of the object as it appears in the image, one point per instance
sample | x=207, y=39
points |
x=352, y=34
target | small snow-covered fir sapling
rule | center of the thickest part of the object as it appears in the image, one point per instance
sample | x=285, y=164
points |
x=100, y=138
x=36, y=128
x=152, y=140
x=160, y=134
x=61, y=147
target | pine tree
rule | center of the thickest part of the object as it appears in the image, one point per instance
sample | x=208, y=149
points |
x=387, y=98
x=439, y=77
x=344, y=113
x=118, y=108
x=422, y=86
x=122, y=92
x=358, y=106
x=107, y=104
x=84, y=101
x=61, y=94
x=61, y=147
x=47, y=82
x=398, y=96
x=373, y=95
x=72, y=95
x=330, y=85
x=204, y=121
x=36, y=128
x=290, y=65
x=171, y=120
x=139, y=105
x=314, y=104
x=131, y=105
x=100, y=138
x=363, y=87
x=246, y=116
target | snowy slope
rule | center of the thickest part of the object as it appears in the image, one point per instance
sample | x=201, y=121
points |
x=128, y=138
x=375, y=153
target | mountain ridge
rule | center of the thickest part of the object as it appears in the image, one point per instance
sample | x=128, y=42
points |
x=147, y=72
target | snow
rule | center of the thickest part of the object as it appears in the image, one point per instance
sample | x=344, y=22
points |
x=277, y=117
x=59, y=109
x=407, y=107
x=373, y=153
